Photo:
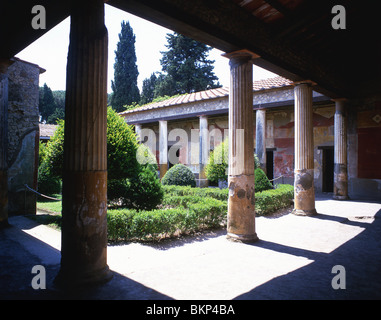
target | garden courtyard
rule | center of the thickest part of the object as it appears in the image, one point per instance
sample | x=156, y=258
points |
x=294, y=259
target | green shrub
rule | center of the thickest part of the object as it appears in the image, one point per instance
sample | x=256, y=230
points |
x=121, y=149
x=262, y=183
x=146, y=158
x=271, y=200
x=128, y=225
x=193, y=212
x=117, y=191
x=130, y=182
x=53, y=158
x=146, y=191
x=142, y=192
x=122, y=146
x=216, y=193
x=41, y=152
x=47, y=183
x=217, y=166
x=179, y=175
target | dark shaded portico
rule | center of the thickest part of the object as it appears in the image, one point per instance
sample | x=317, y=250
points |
x=292, y=38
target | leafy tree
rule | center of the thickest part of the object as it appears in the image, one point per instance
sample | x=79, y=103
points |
x=58, y=114
x=148, y=89
x=186, y=67
x=47, y=103
x=59, y=98
x=124, y=87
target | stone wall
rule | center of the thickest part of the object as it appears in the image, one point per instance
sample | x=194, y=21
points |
x=23, y=135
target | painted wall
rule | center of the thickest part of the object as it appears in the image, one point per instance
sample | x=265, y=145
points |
x=364, y=153
x=364, y=149
x=279, y=136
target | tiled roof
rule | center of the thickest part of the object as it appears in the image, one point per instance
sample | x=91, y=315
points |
x=264, y=84
x=47, y=130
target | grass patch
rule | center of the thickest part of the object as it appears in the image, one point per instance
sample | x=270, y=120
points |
x=51, y=220
x=49, y=206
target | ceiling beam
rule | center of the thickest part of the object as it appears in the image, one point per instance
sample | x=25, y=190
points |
x=16, y=31
x=228, y=27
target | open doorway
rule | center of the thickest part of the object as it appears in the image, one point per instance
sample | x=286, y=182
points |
x=327, y=168
x=270, y=164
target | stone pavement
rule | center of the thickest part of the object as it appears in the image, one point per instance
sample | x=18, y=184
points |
x=293, y=260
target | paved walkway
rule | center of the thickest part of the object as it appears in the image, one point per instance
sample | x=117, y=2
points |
x=293, y=260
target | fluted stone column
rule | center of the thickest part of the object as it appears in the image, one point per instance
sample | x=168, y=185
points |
x=241, y=203
x=340, y=188
x=304, y=192
x=163, y=147
x=260, y=137
x=84, y=194
x=204, y=150
x=138, y=131
x=3, y=143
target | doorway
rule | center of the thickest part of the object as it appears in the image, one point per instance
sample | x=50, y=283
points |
x=327, y=168
x=270, y=164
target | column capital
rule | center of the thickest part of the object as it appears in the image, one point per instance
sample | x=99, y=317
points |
x=340, y=99
x=309, y=82
x=340, y=105
x=241, y=54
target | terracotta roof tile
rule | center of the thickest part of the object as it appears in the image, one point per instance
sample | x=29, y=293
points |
x=264, y=84
x=47, y=130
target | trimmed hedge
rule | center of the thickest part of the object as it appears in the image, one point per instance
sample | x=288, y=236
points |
x=262, y=183
x=179, y=175
x=191, y=210
x=216, y=193
x=195, y=209
x=127, y=225
x=271, y=200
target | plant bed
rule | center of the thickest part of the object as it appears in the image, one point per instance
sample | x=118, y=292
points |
x=185, y=210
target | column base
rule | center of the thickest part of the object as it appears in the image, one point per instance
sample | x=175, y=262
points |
x=202, y=183
x=337, y=197
x=163, y=170
x=244, y=238
x=73, y=280
x=300, y=212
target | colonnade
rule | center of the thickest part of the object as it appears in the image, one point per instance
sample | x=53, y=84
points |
x=84, y=225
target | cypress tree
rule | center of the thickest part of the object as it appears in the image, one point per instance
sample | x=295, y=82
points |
x=47, y=103
x=125, y=88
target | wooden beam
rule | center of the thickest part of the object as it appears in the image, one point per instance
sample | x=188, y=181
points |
x=226, y=26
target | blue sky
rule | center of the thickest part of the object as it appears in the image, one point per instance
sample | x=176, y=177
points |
x=50, y=51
